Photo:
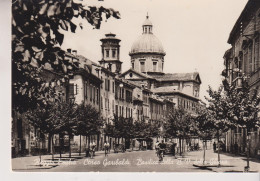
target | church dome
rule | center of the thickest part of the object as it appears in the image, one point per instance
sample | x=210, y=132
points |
x=147, y=43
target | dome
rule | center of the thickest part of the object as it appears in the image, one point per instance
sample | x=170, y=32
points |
x=147, y=43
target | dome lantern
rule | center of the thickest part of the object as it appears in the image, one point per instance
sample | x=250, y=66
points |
x=147, y=26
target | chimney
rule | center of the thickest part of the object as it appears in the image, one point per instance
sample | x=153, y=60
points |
x=69, y=50
x=74, y=52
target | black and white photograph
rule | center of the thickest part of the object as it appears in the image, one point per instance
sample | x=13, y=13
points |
x=135, y=86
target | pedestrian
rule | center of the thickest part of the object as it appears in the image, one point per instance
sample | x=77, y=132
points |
x=214, y=146
x=236, y=148
x=157, y=147
x=106, y=146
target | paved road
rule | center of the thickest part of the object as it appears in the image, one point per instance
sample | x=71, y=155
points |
x=139, y=161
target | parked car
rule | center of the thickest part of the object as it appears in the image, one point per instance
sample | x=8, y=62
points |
x=170, y=148
x=119, y=148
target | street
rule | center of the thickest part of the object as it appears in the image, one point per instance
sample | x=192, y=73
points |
x=138, y=161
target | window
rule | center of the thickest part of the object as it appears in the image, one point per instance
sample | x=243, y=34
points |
x=108, y=85
x=133, y=65
x=116, y=92
x=122, y=111
x=116, y=107
x=154, y=66
x=90, y=88
x=113, y=87
x=256, y=58
x=94, y=92
x=108, y=107
x=113, y=110
x=107, y=53
x=128, y=96
x=71, y=89
x=113, y=53
x=101, y=102
x=122, y=93
x=250, y=58
x=162, y=66
x=86, y=90
x=97, y=95
x=142, y=66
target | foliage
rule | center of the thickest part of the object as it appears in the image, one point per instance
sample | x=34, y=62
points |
x=88, y=120
x=234, y=106
x=37, y=27
x=146, y=130
x=205, y=125
x=122, y=127
x=126, y=128
x=179, y=123
x=219, y=106
x=243, y=104
x=53, y=118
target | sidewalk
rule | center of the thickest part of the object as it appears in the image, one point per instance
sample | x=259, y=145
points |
x=229, y=162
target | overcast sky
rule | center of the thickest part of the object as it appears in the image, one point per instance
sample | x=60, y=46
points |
x=193, y=33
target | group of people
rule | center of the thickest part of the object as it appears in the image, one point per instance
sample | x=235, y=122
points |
x=159, y=147
x=92, y=148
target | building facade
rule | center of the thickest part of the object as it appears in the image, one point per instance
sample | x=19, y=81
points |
x=244, y=58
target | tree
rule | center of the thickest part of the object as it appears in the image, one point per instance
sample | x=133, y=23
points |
x=45, y=121
x=204, y=128
x=243, y=107
x=179, y=124
x=37, y=27
x=219, y=108
x=88, y=121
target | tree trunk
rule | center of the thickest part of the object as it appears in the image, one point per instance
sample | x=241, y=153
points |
x=49, y=143
x=218, y=152
x=60, y=144
x=69, y=148
x=40, y=153
x=52, y=150
x=88, y=141
x=204, y=152
x=180, y=145
x=248, y=150
x=79, y=145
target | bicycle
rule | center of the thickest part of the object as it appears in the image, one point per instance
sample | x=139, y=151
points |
x=106, y=151
x=161, y=155
x=92, y=153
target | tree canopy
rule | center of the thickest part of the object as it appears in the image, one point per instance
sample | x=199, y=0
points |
x=37, y=27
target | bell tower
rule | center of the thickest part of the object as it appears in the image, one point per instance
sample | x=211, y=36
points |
x=110, y=49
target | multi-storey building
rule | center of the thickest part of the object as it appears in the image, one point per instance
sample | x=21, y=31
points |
x=244, y=58
x=144, y=92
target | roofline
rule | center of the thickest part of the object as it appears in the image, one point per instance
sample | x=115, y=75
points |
x=137, y=53
x=146, y=76
x=87, y=74
x=241, y=16
x=177, y=92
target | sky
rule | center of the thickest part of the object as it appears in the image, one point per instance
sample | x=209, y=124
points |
x=194, y=33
